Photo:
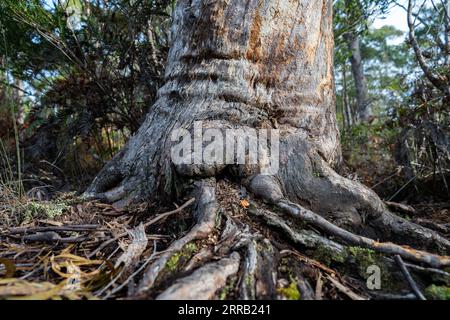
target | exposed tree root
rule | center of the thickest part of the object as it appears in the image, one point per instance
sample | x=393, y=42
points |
x=258, y=270
x=256, y=266
x=203, y=283
x=303, y=237
x=205, y=217
x=306, y=291
x=310, y=217
x=343, y=209
x=305, y=177
x=198, y=259
x=258, y=278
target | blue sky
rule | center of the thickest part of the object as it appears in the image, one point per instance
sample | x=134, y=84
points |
x=396, y=17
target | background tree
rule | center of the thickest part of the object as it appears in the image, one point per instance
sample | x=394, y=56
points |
x=423, y=145
x=351, y=22
x=92, y=69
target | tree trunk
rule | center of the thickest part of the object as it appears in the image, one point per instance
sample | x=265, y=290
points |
x=362, y=103
x=2, y=87
x=253, y=64
x=18, y=98
x=347, y=112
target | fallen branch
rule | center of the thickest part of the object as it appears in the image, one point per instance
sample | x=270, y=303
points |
x=51, y=237
x=66, y=228
x=428, y=270
x=400, y=207
x=319, y=286
x=388, y=296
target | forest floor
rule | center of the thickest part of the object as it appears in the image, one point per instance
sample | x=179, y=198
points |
x=69, y=248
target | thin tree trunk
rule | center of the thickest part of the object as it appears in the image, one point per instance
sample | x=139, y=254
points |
x=347, y=114
x=2, y=87
x=362, y=103
x=18, y=99
x=447, y=32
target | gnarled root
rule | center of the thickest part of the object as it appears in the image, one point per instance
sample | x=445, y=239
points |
x=302, y=237
x=306, y=188
x=204, y=282
x=306, y=178
x=205, y=216
x=258, y=278
x=351, y=238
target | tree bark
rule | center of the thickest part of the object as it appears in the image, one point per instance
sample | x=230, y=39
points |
x=2, y=86
x=18, y=98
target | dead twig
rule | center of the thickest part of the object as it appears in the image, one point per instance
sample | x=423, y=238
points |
x=167, y=214
x=66, y=228
x=400, y=207
x=345, y=290
x=134, y=274
x=308, y=261
x=427, y=270
x=49, y=237
x=409, y=278
x=147, y=224
x=388, y=296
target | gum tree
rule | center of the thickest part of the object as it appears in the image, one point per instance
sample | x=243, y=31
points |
x=253, y=64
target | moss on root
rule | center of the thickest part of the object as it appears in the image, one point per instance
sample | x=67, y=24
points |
x=328, y=257
x=175, y=262
x=360, y=259
x=364, y=258
x=290, y=292
x=438, y=292
x=174, y=265
x=227, y=291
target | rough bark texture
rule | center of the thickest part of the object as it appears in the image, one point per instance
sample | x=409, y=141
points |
x=256, y=64
x=245, y=64
x=204, y=282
